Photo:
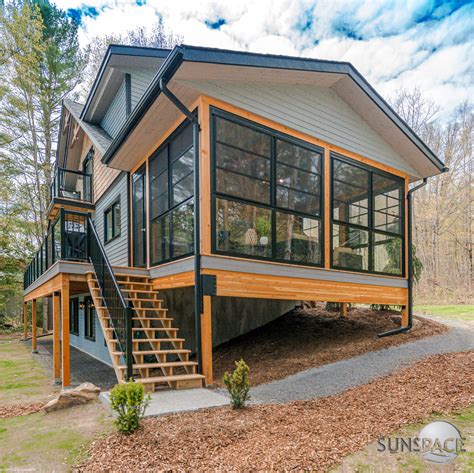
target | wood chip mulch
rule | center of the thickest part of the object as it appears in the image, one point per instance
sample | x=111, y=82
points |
x=14, y=410
x=307, y=338
x=304, y=435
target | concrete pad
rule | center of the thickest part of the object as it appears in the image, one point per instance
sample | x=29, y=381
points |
x=172, y=401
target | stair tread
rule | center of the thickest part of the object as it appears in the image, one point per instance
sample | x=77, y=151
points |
x=169, y=364
x=162, y=340
x=137, y=283
x=125, y=275
x=151, y=318
x=142, y=291
x=176, y=377
x=161, y=329
x=141, y=299
x=156, y=352
x=150, y=308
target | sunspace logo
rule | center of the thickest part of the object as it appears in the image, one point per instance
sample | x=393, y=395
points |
x=438, y=442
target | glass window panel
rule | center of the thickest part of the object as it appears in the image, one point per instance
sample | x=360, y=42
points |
x=158, y=163
x=298, y=201
x=237, y=160
x=117, y=223
x=181, y=142
x=183, y=225
x=108, y=225
x=351, y=174
x=298, y=238
x=350, y=247
x=350, y=204
x=387, y=254
x=183, y=166
x=243, y=186
x=243, y=228
x=298, y=156
x=160, y=239
x=387, y=203
x=242, y=137
x=183, y=190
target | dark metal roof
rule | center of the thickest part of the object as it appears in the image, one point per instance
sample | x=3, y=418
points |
x=183, y=53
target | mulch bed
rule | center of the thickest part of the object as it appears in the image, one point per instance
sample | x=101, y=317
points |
x=302, y=435
x=14, y=410
x=309, y=338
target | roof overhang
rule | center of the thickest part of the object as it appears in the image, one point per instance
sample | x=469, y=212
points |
x=191, y=63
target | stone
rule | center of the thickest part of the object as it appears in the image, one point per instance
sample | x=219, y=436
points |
x=82, y=394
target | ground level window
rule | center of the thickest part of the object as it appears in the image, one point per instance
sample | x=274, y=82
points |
x=74, y=316
x=89, y=319
x=112, y=222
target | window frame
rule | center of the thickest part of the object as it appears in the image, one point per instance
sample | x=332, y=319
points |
x=171, y=207
x=74, y=316
x=275, y=135
x=370, y=228
x=111, y=209
x=87, y=306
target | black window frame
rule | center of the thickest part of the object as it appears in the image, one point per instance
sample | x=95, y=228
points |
x=111, y=209
x=74, y=316
x=275, y=135
x=171, y=208
x=370, y=228
x=88, y=305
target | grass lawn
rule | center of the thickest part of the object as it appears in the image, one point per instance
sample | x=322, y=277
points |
x=463, y=313
x=370, y=460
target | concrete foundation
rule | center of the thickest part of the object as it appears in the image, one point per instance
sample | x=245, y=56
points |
x=231, y=316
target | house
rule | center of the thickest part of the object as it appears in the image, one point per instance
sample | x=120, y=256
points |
x=199, y=193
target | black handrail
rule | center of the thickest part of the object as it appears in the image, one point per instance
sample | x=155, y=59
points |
x=60, y=188
x=119, y=311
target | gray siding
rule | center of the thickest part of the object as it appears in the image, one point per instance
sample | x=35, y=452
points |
x=315, y=111
x=116, y=114
x=117, y=250
x=140, y=80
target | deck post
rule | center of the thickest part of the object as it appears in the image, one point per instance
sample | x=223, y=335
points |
x=56, y=339
x=33, y=328
x=404, y=321
x=206, y=339
x=343, y=310
x=25, y=320
x=65, y=349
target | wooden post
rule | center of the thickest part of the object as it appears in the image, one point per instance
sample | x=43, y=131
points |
x=33, y=328
x=327, y=209
x=206, y=339
x=65, y=350
x=25, y=320
x=56, y=339
x=343, y=309
x=404, y=316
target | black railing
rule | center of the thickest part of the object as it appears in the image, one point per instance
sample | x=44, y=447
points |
x=71, y=184
x=120, y=312
x=66, y=239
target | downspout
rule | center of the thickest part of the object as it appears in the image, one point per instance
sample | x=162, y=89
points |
x=197, y=232
x=410, y=266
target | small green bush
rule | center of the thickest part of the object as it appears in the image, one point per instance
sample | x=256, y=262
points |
x=129, y=402
x=238, y=384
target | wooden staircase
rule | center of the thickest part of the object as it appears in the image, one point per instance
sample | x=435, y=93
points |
x=159, y=356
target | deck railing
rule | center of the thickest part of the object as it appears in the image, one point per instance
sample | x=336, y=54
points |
x=120, y=312
x=69, y=184
x=66, y=239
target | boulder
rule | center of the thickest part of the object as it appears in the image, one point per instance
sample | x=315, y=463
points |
x=82, y=394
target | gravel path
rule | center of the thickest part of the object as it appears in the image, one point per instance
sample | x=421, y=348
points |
x=337, y=377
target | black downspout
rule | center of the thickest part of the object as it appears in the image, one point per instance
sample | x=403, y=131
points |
x=410, y=266
x=197, y=232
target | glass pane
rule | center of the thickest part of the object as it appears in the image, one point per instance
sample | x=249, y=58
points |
x=160, y=239
x=237, y=160
x=108, y=225
x=183, y=190
x=298, y=238
x=350, y=247
x=181, y=142
x=243, y=229
x=387, y=203
x=117, y=219
x=242, y=137
x=298, y=156
x=350, y=193
x=387, y=254
x=243, y=186
x=183, y=225
x=183, y=166
x=159, y=183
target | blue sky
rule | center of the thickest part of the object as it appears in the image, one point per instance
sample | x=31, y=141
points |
x=394, y=43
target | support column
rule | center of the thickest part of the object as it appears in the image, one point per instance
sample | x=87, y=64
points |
x=33, y=328
x=206, y=339
x=404, y=321
x=343, y=311
x=56, y=339
x=65, y=349
x=25, y=320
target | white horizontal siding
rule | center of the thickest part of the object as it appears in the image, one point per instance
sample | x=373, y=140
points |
x=116, y=114
x=315, y=111
x=116, y=250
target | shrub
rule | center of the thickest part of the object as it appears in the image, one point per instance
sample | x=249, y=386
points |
x=129, y=402
x=238, y=384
